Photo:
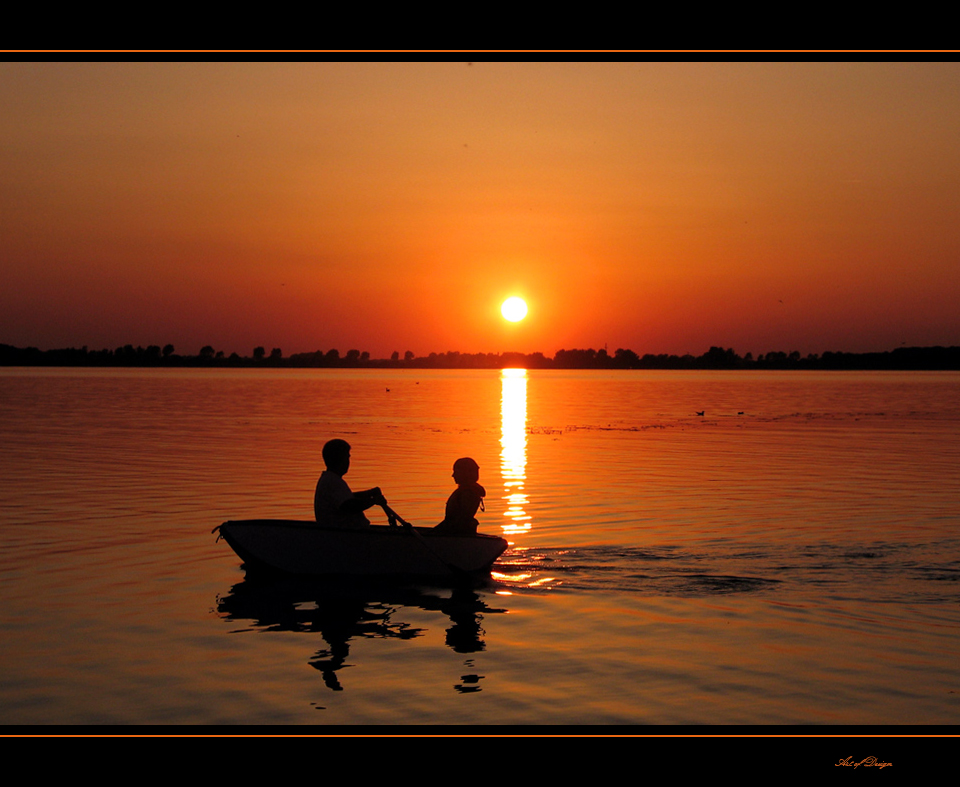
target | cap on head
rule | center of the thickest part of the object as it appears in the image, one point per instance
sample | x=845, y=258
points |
x=467, y=468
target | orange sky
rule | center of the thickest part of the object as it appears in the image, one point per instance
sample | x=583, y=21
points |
x=657, y=207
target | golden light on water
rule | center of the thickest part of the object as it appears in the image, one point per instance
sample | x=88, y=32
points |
x=513, y=445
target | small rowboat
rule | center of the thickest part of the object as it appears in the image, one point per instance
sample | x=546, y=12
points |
x=300, y=547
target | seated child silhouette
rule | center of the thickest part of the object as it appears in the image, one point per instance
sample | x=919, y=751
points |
x=465, y=500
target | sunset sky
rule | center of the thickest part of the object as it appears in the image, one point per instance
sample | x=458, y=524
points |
x=661, y=207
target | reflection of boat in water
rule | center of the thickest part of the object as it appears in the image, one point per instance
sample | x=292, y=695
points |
x=301, y=547
x=341, y=610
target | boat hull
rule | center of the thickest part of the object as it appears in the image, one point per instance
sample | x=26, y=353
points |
x=306, y=548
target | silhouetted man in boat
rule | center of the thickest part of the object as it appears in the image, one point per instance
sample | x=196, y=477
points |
x=333, y=502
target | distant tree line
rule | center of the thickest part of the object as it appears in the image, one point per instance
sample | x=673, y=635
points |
x=903, y=358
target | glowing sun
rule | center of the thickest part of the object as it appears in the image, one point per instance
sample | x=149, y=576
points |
x=514, y=309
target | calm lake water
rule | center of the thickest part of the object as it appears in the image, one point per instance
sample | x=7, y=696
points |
x=792, y=556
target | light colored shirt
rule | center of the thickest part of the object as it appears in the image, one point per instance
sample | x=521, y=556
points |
x=331, y=492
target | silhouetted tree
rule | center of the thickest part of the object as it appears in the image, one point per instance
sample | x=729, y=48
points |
x=575, y=359
x=907, y=358
x=718, y=358
x=774, y=359
x=258, y=353
x=537, y=361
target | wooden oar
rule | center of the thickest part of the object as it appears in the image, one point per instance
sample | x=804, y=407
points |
x=393, y=517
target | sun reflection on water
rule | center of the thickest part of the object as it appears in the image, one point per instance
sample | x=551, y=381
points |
x=513, y=453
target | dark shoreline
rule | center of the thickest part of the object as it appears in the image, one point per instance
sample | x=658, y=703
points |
x=902, y=359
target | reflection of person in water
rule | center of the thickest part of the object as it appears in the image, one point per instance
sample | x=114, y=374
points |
x=333, y=502
x=464, y=608
x=462, y=505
